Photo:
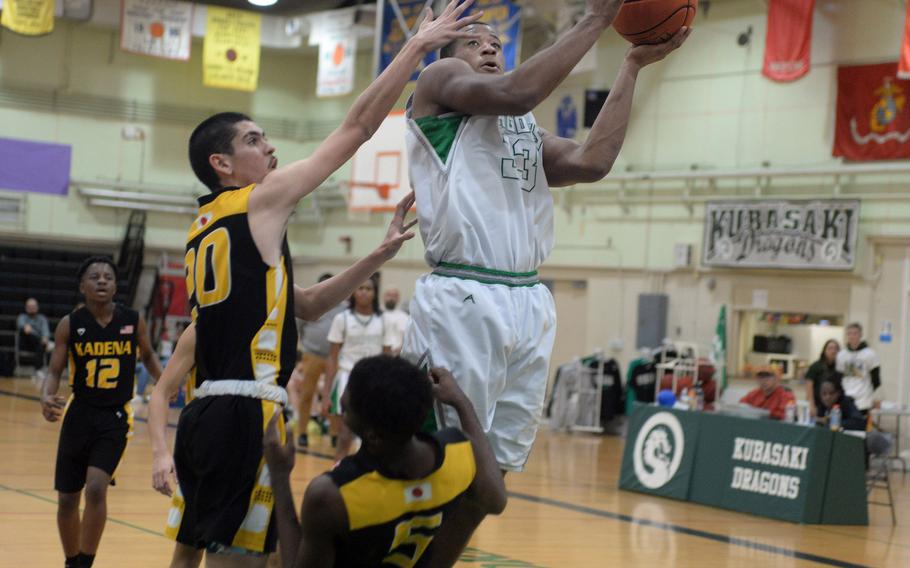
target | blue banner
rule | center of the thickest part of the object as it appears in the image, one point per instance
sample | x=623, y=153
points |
x=398, y=20
x=566, y=118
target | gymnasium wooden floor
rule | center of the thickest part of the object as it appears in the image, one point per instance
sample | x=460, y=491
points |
x=565, y=511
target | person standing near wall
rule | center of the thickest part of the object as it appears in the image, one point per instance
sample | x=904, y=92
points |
x=861, y=369
x=396, y=319
x=823, y=369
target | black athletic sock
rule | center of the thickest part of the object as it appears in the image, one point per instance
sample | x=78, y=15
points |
x=86, y=560
x=71, y=562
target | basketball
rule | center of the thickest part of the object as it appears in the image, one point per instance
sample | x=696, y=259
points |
x=653, y=21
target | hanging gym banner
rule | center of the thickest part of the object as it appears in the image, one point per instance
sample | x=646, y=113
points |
x=903, y=66
x=808, y=235
x=333, y=33
x=230, y=53
x=873, y=121
x=28, y=17
x=398, y=20
x=788, y=42
x=160, y=28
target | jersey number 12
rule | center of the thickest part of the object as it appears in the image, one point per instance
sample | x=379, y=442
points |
x=102, y=373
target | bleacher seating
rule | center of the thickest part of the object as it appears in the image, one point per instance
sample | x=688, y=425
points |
x=46, y=274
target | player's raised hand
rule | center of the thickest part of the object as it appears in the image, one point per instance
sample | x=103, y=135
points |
x=606, y=9
x=449, y=26
x=647, y=54
x=445, y=388
x=163, y=472
x=52, y=407
x=279, y=456
x=399, y=231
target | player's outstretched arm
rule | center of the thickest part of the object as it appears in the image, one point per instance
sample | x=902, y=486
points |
x=567, y=162
x=488, y=489
x=280, y=458
x=149, y=357
x=52, y=404
x=180, y=363
x=323, y=514
x=453, y=85
x=311, y=303
x=323, y=520
x=276, y=196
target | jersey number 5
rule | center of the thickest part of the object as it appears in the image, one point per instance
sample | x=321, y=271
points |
x=208, y=271
x=405, y=535
x=102, y=375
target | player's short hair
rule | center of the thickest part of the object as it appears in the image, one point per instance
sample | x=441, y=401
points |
x=325, y=276
x=856, y=326
x=448, y=50
x=83, y=268
x=213, y=136
x=390, y=395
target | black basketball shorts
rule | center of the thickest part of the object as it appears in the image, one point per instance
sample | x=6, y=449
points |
x=224, y=497
x=91, y=436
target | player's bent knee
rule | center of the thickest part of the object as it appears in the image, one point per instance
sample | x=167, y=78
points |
x=96, y=491
x=186, y=557
x=69, y=501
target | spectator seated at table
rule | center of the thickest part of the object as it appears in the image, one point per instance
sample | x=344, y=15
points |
x=770, y=394
x=832, y=393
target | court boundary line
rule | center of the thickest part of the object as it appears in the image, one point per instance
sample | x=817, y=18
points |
x=668, y=527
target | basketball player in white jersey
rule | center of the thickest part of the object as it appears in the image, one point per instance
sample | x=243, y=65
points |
x=482, y=169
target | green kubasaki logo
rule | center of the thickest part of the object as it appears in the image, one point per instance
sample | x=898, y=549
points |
x=658, y=450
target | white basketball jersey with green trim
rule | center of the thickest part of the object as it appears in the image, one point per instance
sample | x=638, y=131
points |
x=482, y=194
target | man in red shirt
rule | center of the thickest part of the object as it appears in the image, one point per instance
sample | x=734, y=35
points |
x=770, y=395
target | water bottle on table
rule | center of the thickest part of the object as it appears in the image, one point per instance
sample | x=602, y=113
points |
x=834, y=418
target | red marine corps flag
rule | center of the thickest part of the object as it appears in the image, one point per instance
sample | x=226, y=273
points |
x=789, y=39
x=873, y=121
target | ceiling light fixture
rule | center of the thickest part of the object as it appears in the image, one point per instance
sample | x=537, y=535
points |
x=262, y=3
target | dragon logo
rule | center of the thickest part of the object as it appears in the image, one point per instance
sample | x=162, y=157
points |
x=658, y=450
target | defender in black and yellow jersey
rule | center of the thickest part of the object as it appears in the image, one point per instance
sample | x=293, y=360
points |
x=243, y=299
x=383, y=506
x=101, y=340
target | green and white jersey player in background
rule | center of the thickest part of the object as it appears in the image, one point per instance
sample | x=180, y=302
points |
x=482, y=171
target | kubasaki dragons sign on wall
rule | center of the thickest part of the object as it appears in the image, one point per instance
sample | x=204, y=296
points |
x=811, y=235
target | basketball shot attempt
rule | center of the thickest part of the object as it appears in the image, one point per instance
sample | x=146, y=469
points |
x=482, y=170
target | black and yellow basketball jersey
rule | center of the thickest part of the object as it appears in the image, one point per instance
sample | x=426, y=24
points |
x=392, y=521
x=244, y=309
x=102, y=360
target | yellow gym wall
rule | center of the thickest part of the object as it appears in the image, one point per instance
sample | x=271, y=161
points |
x=707, y=106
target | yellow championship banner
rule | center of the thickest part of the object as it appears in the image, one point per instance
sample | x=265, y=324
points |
x=230, y=54
x=28, y=17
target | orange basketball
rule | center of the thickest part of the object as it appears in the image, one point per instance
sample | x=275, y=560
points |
x=653, y=21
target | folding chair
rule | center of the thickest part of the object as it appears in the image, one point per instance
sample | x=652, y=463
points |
x=878, y=476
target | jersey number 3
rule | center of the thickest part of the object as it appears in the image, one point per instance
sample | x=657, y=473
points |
x=405, y=535
x=208, y=268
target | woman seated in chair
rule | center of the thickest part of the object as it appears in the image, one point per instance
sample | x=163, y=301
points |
x=832, y=394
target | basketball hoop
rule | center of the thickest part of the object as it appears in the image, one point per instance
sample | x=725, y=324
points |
x=383, y=189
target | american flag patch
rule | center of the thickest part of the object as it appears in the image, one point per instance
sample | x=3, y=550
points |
x=126, y=329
